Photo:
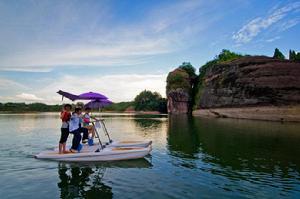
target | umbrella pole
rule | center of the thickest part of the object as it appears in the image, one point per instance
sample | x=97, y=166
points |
x=105, y=130
x=100, y=143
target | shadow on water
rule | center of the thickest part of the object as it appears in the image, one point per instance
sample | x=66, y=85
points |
x=84, y=180
x=239, y=145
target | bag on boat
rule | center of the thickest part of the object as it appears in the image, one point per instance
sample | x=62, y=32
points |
x=97, y=125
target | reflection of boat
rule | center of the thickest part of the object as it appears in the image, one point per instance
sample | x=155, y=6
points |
x=86, y=180
x=89, y=154
x=82, y=182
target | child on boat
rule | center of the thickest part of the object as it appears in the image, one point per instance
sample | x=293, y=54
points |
x=65, y=116
x=76, y=129
x=87, y=120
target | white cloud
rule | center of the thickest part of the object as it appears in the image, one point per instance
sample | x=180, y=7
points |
x=117, y=87
x=288, y=24
x=160, y=31
x=29, y=97
x=273, y=39
x=7, y=84
x=257, y=25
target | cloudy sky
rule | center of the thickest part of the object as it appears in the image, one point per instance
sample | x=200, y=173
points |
x=121, y=47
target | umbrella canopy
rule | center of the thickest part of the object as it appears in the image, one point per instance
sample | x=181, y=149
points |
x=96, y=104
x=92, y=96
x=83, y=96
x=67, y=95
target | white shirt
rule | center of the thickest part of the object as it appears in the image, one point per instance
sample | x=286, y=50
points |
x=74, y=122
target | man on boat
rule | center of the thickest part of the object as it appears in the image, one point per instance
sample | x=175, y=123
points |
x=76, y=129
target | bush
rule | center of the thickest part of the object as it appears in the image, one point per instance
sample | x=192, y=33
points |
x=150, y=101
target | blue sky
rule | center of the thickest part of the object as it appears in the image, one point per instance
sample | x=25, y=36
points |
x=122, y=47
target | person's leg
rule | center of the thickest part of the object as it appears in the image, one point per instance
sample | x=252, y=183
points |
x=85, y=133
x=61, y=140
x=76, y=139
x=91, y=130
x=64, y=139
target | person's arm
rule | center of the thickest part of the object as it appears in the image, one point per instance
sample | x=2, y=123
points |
x=62, y=114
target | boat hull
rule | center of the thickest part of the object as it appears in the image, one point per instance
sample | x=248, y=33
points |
x=106, y=154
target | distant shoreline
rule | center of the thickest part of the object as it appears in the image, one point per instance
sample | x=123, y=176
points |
x=128, y=112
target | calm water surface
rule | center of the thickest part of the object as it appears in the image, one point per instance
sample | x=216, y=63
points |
x=191, y=158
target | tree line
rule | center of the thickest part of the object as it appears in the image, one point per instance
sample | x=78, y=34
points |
x=293, y=55
x=144, y=101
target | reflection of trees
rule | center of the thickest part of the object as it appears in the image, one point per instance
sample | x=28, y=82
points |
x=145, y=123
x=84, y=182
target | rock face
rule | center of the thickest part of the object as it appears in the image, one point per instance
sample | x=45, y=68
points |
x=179, y=89
x=251, y=81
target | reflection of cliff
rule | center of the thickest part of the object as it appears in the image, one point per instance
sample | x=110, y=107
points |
x=82, y=182
x=240, y=145
x=182, y=138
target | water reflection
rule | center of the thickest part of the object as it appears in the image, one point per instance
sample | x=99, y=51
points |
x=182, y=139
x=86, y=180
x=237, y=148
x=148, y=123
x=75, y=182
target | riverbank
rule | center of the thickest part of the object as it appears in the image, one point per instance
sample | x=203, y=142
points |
x=267, y=113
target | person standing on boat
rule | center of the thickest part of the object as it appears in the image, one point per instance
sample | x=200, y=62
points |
x=76, y=129
x=65, y=116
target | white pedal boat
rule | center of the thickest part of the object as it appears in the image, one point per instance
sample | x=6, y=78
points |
x=88, y=154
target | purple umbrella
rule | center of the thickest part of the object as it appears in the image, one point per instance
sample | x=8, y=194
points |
x=92, y=96
x=97, y=104
x=68, y=95
x=83, y=96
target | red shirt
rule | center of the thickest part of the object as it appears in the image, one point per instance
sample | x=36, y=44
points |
x=65, y=116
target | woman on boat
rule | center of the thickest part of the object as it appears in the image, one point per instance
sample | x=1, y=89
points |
x=65, y=116
x=76, y=129
x=87, y=120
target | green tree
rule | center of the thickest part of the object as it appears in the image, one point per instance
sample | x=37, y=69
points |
x=293, y=56
x=149, y=101
x=188, y=67
x=278, y=54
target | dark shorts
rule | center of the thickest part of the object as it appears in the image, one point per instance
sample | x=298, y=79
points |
x=64, y=135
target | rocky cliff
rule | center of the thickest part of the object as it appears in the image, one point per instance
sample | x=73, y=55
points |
x=251, y=81
x=179, y=91
x=229, y=89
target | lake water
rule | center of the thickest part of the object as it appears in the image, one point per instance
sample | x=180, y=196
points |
x=192, y=158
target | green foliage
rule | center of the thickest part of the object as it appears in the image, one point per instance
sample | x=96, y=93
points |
x=188, y=67
x=34, y=107
x=118, y=107
x=294, y=56
x=182, y=77
x=150, y=101
x=278, y=54
x=178, y=79
x=224, y=56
